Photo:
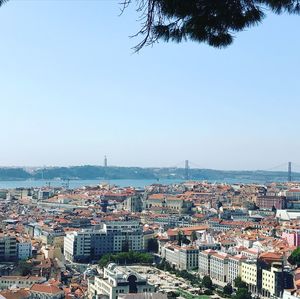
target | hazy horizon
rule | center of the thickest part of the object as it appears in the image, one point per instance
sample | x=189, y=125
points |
x=72, y=91
x=279, y=168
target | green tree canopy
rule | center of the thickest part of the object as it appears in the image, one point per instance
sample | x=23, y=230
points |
x=294, y=258
x=238, y=283
x=207, y=282
x=123, y=258
x=24, y=268
x=228, y=289
x=242, y=294
x=153, y=245
x=193, y=236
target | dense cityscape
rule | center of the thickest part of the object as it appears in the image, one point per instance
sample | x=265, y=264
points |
x=193, y=106
x=191, y=240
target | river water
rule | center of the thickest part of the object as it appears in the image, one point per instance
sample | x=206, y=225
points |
x=81, y=183
x=120, y=182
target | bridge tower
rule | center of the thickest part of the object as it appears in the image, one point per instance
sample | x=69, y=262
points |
x=186, y=169
x=289, y=171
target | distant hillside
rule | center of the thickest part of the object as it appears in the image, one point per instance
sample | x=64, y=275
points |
x=7, y=174
x=99, y=172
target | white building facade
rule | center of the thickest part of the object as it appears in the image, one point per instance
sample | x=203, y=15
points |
x=117, y=281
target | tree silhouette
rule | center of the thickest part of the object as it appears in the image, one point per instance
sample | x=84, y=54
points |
x=193, y=236
x=242, y=294
x=207, y=282
x=228, y=289
x=294, y=258
x=213, y=22
x=238, y=283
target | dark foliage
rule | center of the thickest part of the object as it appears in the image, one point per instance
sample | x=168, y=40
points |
x=123, y=258
x=2, y=2
x=193, y=236
x=207, y=282
x=153, y=245
x=212, y=22
x=125, y=246
x=242, y=294
x=294, y=258
x=208, y=292
x=24, y=268
x=89, y=172
x=227, y=290
x=182, y=239
x=238, y=283
x=13, y=174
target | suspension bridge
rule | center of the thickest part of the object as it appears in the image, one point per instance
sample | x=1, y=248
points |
x=289, y=168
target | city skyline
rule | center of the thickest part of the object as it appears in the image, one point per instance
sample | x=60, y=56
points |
x=72, y=91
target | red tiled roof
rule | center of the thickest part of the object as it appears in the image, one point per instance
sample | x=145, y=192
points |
x=45, y=288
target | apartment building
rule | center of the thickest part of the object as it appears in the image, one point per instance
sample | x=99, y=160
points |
x=24, y=248
x=219, y=266
x=293, y=194
x=46, y=291
x=272, y=282
x=249, y=274
x=214, y=264
x=88, y=244
x=7, y=282
x=181, y=257
x=172, y=203
x=235, y=266
x=204, y=261
x=267, y=276
x=292, y=237
x=8, y=248
x=268, y=202
x=117, y=281
x=125, y=233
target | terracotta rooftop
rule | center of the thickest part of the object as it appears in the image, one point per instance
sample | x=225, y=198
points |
x=45, y=288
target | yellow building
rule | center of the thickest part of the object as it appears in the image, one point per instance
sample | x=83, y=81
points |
x=249, y=274
x=271, y=281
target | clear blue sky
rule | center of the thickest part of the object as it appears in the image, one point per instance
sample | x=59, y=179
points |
x=73, y=91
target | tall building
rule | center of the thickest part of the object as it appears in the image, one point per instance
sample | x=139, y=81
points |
x=219, y=266
x=293, y=198
x=235, y=266
x=204, y=261
x=114, y=236
x=249, y=275
x=8, y=248
x=24, y=248
x=267, y=276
